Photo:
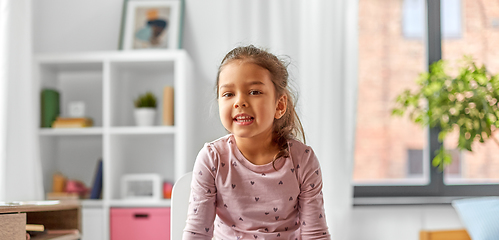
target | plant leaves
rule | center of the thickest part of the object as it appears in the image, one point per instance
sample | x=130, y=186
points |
x=468, y=101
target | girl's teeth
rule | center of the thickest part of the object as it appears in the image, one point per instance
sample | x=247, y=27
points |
x=243, y=119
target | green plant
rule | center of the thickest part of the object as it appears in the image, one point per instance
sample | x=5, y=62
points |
x=467, y=103
x=145, y=100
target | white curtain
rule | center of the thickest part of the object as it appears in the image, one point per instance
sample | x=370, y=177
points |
x=328, y=80
x=3, y=96
x=320, y=37
x=20, y=166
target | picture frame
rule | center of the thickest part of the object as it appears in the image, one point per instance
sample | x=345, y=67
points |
x=150, y=24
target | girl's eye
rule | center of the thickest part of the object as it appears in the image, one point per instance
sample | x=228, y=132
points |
x=227, y=95
x=255, y=92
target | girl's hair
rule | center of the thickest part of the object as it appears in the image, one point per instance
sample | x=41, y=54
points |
x=288, y=126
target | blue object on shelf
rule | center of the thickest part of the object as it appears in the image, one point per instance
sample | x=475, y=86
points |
x=97, y=186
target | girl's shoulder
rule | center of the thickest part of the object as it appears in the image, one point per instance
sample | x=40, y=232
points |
x=297, y=147
x=300, y=152
x=221, y=145
x=213, y=151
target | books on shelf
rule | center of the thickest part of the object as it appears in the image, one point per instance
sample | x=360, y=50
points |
x=168, y=103
x=96, y=191
x=62, y=196
x=49, y=108
x=62, y=122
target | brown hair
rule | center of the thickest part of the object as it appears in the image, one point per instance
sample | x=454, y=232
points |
x=289, y=125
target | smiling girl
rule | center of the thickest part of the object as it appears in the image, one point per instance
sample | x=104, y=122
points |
x=259, y=181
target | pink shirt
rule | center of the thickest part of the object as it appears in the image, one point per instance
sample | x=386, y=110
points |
x=232, y=199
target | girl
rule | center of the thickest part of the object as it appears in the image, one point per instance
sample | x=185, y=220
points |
x=258, y=182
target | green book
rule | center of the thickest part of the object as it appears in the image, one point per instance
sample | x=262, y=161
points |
x=49, y=107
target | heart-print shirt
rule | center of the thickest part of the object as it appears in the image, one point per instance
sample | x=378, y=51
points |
x=232, y=198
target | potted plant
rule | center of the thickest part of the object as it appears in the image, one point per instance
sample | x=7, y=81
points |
x=145, y=109
x=467, y=103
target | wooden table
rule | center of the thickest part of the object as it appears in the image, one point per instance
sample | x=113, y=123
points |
x=52, y=214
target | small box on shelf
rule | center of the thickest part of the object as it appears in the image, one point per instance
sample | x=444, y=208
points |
x=76, y=109
x=141, y=186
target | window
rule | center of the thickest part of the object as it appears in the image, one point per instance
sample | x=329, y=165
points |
x=393, y=155
x=413, y=19
x=389, y=151
x=480, y=38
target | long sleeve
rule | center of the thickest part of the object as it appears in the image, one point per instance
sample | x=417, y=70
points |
x=231, y=198
x=310, y=200
x=202, y=202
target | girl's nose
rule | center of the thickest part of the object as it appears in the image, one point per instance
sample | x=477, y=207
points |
x=241, y=102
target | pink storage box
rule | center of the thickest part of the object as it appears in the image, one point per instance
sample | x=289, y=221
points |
x=140, y=223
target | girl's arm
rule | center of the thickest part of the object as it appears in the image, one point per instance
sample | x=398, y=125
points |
x=202, y=202
x=310, y=201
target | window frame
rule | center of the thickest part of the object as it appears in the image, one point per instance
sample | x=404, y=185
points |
x=436, y=186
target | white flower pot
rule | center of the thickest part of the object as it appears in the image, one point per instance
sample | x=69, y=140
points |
x=145, y=116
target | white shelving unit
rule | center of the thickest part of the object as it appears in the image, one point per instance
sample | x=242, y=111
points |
x=108, y=82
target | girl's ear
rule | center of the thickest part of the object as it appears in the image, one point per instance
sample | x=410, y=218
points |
x=281, y=107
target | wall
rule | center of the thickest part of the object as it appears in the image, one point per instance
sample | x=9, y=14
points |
x=69, y=26
x=93, y=25
x=401, y=222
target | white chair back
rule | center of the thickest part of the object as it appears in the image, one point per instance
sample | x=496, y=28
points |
x=179, y=206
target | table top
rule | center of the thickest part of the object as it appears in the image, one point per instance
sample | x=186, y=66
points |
x=37, y=206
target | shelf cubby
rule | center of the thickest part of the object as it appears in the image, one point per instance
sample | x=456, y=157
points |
x=108, y=83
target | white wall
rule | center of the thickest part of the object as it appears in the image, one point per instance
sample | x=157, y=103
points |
x=72, y=25
x=401, y=222
x=93, y=25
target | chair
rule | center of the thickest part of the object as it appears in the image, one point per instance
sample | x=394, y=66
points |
x=179, y=206
x=458, y=234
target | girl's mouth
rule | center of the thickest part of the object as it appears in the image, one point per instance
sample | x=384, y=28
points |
x=243, y=119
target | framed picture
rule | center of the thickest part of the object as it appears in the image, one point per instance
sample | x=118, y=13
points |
x=151, y=24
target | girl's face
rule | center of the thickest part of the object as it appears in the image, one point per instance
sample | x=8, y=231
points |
x=247, y=100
